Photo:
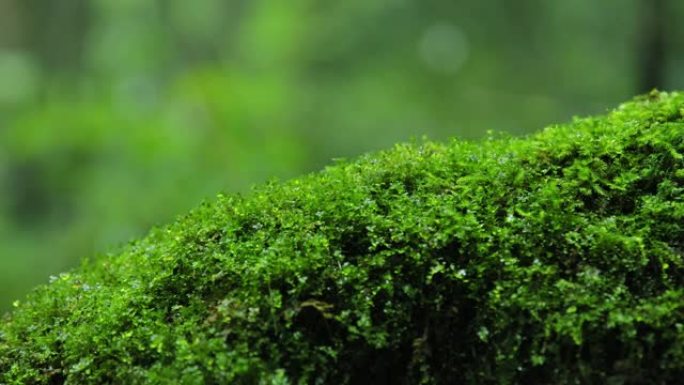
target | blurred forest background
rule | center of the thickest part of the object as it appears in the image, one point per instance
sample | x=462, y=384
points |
x=117, y=115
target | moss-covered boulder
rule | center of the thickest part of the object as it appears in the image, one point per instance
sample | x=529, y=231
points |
x=554, y=259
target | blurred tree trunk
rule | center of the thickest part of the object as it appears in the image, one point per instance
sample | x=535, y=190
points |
x=10, y=24
x=56, y=31
x=652, y=44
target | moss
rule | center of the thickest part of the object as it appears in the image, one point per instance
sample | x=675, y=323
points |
x=557, y=258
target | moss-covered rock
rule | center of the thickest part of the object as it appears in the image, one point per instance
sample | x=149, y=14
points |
x=554, y=259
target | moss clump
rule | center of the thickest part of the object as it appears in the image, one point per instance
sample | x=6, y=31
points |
x=557, y=258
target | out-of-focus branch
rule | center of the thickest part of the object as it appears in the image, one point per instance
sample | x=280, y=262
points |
x=651, y=52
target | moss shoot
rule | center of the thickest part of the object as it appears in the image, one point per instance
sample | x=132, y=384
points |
x=552, y=259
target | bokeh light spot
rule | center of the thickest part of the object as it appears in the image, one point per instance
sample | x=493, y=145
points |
x=443, y=48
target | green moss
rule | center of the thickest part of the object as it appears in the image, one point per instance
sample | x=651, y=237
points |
x=557, y=258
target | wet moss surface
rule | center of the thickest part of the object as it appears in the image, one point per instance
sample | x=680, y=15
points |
x=552, y=259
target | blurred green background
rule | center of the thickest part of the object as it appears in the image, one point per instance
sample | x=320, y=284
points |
x=117, y=115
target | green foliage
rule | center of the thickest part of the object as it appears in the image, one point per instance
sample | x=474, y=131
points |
x=81, y=177
x=117, y=114
x=557, y=258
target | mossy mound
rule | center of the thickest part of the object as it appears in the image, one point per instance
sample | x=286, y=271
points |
x=555, y=259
